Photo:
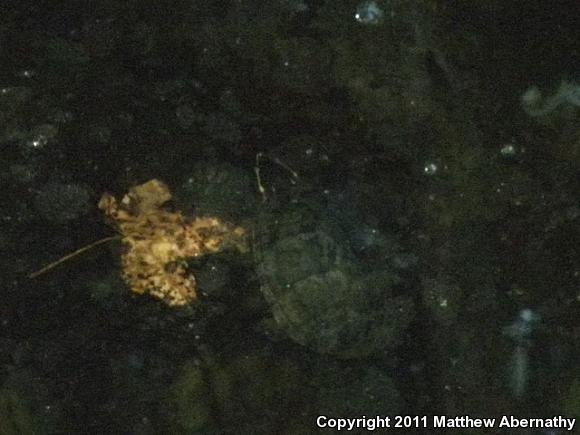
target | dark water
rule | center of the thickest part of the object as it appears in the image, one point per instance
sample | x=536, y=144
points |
x=406, y=175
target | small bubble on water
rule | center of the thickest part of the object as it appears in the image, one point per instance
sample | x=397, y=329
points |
x=41, y=135
x=508, y=150
x=368, y=12
x=430, y=168
x=38, y=141
x=26, y=73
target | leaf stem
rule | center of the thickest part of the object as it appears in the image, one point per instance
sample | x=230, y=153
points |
x=71, y=255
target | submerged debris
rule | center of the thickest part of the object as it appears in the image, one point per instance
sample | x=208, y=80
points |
x=159, y=241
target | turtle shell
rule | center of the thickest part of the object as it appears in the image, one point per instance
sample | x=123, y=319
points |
x=323, y=294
